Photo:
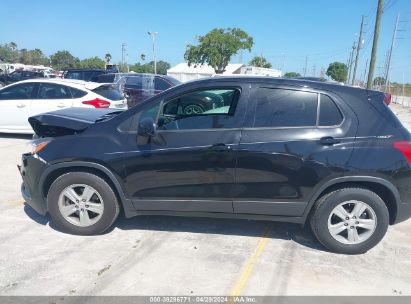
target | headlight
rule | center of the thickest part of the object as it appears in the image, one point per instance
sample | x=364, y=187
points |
x=39, y=144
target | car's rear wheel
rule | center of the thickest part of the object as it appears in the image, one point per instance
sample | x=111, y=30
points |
x=350, y=220
x=82, y=203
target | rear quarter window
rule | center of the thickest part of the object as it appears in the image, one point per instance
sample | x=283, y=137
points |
x=76, y=93
x=330, y=115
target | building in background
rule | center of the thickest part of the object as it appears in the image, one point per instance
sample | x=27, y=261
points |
x=184, y=72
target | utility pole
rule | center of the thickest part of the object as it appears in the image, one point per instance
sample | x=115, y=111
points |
x=283, y=65
x=305, y=68
x=351, y=62
x=375, y=43
x=123, y=51
x=394, y=35
x=365, y=71
x=358, y=50
x=153, y=37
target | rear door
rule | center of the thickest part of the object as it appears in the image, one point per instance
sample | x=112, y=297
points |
x=51, y=97
x=294, y=139
x=15, y=103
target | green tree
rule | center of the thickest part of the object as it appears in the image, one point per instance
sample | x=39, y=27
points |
x=162, y=67
x=337, y=71
x=107, y=57
x=93, y=63
x=260, y=61
x=13, y=46
x=33, y=57
x=62, y=60
x=292, y=74
x=217, y=47
x=8, y=52
x=379, y=80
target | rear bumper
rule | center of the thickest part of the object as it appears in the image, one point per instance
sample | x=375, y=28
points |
x=31, y=169
x=403, y=212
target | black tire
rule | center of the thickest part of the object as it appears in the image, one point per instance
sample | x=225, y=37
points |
x=199, y=107
x=111, y=206
x=326, y=204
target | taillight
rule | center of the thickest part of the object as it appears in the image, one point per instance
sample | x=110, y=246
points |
x=387, y=98
x=405, y=149
x=97, y=103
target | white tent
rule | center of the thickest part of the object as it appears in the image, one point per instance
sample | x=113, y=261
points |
x=184, y=72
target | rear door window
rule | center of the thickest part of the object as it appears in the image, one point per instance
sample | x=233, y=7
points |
x=278, y=108
x=134, y=82
x=53, y=91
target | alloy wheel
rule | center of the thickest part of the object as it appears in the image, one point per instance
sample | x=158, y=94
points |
x=81, y=205
x=352, y=222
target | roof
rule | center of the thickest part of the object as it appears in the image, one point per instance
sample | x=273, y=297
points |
x=202, y=69
x=304, y=83
x=70, y=82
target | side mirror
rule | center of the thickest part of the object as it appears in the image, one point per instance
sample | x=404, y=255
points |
x=147, y=127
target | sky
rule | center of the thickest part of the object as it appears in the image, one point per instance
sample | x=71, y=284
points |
x=285, y=32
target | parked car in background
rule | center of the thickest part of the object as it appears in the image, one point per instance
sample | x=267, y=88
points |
x=21, y=100
x=138, y=87
x=16, y=76
x=297, y=151
x=83, y=74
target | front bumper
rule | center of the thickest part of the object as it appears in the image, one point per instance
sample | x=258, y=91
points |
x=31, y=169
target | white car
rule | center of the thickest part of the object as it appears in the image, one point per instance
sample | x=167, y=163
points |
x=23, y=99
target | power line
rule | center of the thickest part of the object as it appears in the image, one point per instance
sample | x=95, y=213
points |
x=360, y=41
x=394, y=35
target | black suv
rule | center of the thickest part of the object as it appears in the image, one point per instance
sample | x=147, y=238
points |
x=267, y=149
x=19, y=76
x=84, y=74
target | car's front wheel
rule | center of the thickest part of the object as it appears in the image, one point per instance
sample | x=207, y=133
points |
x=82, y=203
x=350, y=220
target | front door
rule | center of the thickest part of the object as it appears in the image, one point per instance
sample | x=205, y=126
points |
x=15, y=103
x=189, y=165
x=293, y=140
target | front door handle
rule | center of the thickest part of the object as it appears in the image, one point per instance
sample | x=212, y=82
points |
x=61, y=105
x=21, y=105
x=329, y=141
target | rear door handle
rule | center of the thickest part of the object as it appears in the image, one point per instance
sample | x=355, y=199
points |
x=220, y=147
x=61, y=105
x=329, y=141
x=21, y=105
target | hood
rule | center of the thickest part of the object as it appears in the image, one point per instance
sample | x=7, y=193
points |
x=68, y=121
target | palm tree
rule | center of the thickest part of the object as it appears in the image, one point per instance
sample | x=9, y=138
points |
x=260, y=61
x=108, y=57
x=13, y=46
